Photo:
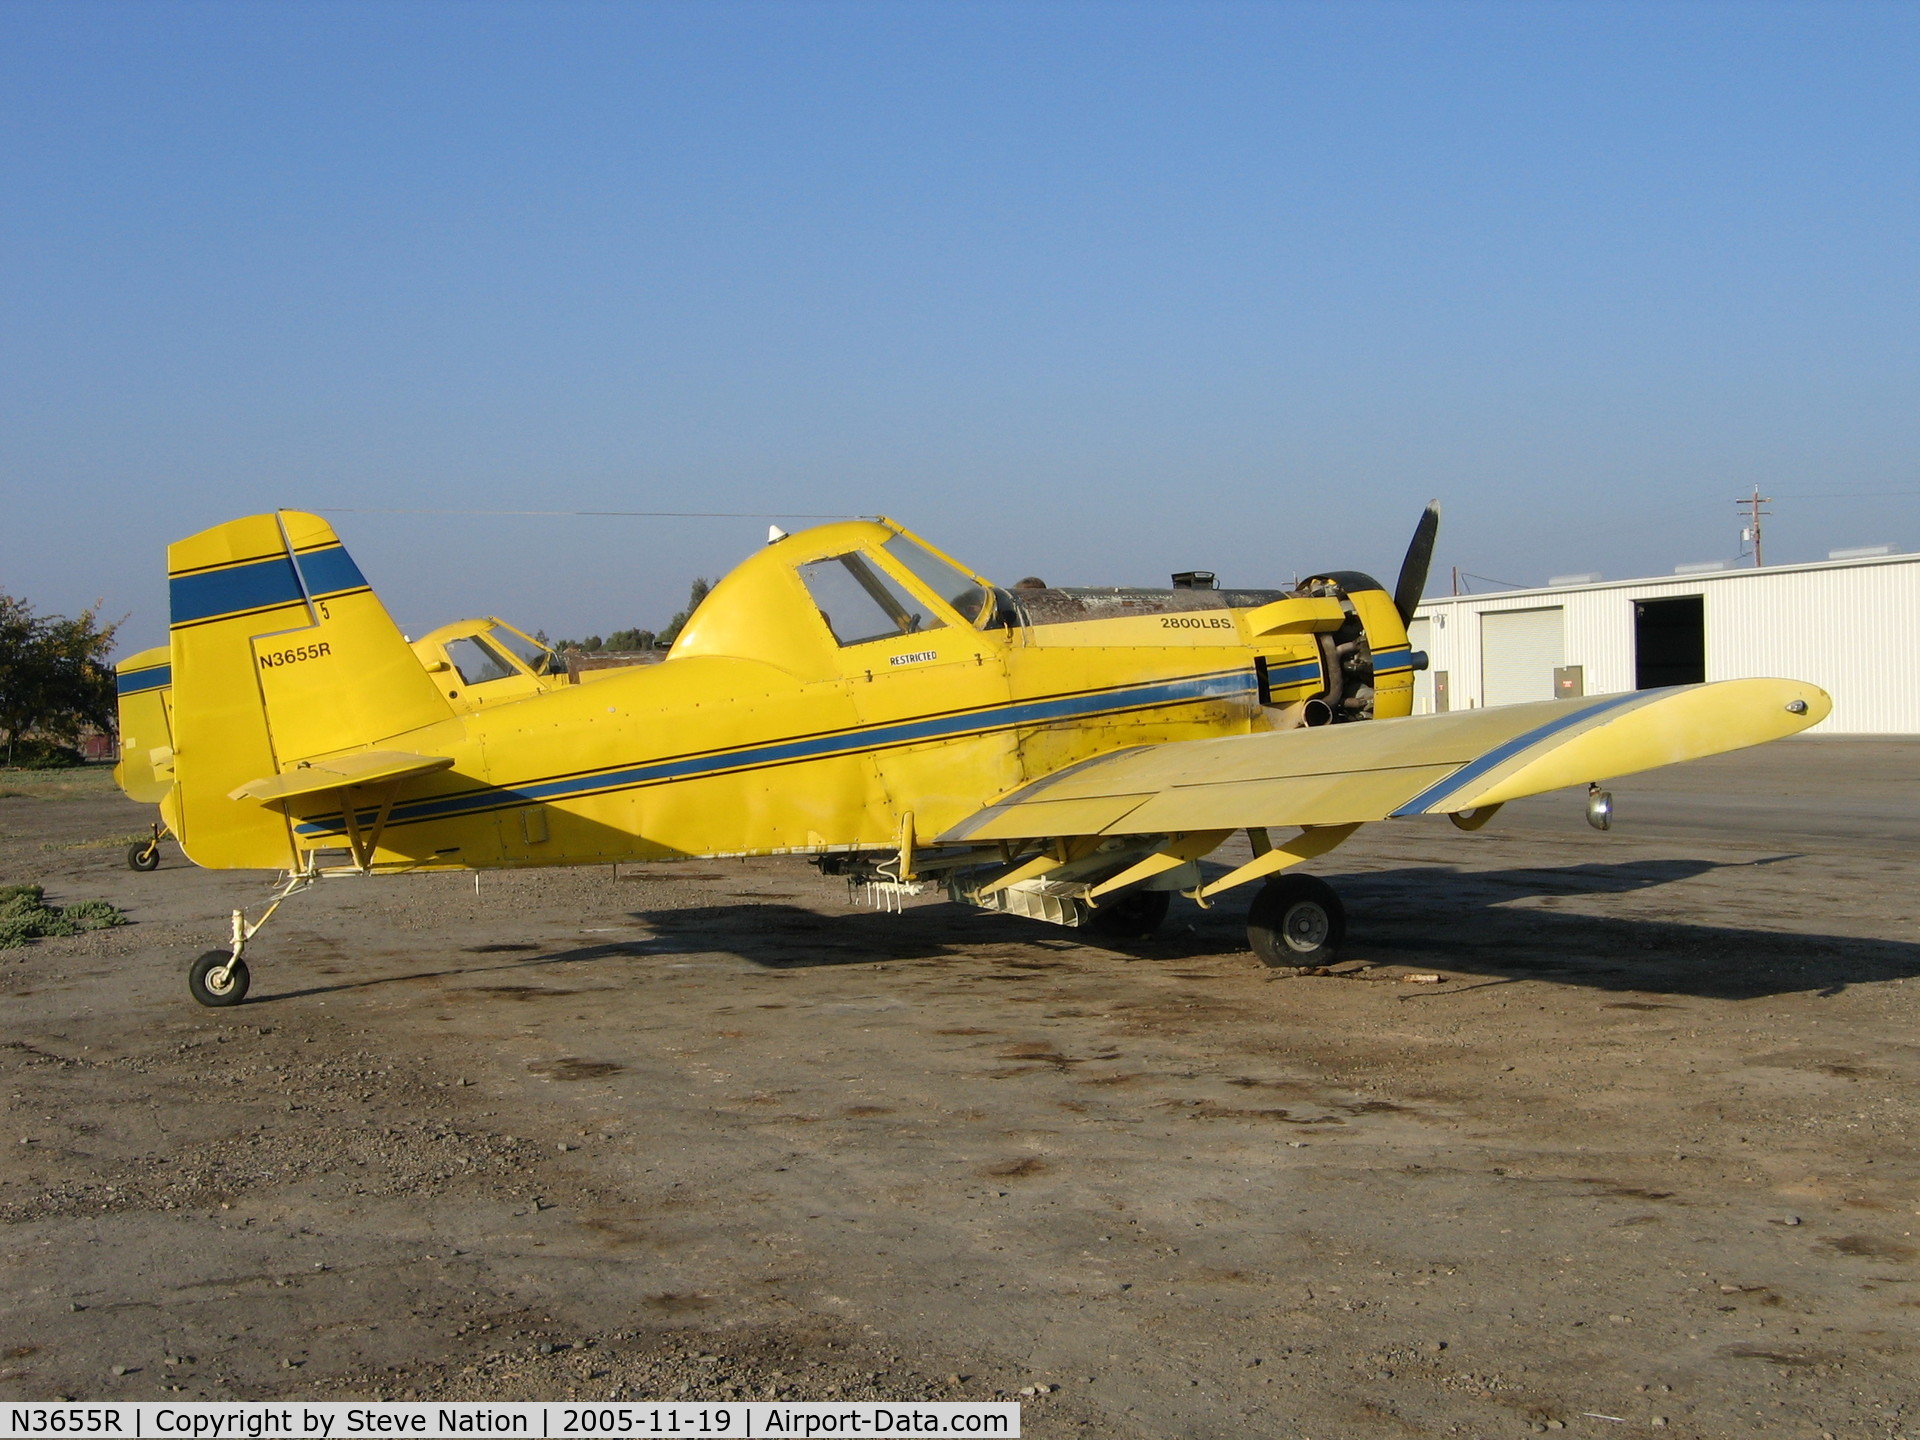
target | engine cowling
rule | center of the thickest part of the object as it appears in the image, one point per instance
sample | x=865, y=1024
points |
x=1367, y=663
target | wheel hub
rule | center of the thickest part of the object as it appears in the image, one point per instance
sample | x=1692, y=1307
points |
x=1306, y=927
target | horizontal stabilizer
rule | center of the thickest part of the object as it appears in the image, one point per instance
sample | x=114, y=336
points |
x=313, y=777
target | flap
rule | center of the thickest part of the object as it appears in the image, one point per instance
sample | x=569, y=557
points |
x=1421, y=765
x=367, y=767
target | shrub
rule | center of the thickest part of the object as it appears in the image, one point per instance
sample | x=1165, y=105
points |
x=39, y=754
x=25, y=915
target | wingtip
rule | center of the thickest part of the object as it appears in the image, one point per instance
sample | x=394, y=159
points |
x=1810, y=704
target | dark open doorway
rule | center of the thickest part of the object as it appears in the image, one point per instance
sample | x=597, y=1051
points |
x=1669, y=642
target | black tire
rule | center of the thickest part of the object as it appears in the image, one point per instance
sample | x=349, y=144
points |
x=143, y=855
x=236, y=986
x=1296, y=920
x=1132, y=916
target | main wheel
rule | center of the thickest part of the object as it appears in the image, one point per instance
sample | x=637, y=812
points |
x=1296, y=920
x=1132, y=916
x=143, y=855
x=229, y=989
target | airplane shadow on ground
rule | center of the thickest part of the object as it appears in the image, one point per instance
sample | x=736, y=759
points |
x=1465, y=921
x=776, y=936
x=1462, y=922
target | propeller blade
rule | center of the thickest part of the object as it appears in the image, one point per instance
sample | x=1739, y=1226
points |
x=1413, y=570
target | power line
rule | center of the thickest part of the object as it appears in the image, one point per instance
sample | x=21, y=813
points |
x=626, y=514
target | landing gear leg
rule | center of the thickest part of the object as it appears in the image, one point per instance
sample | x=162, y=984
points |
x=220, y=977
x=1296, y=920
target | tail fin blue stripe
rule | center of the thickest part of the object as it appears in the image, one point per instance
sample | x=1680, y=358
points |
x=261, y=585
x=157, y=677
x=210, y=594
x=330, y=571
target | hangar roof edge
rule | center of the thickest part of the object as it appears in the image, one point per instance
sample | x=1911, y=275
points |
x=1703, y=576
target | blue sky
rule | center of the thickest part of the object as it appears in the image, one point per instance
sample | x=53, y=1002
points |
x=1091, y=291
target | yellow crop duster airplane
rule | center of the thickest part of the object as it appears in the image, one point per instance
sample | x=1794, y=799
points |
x=852, y=694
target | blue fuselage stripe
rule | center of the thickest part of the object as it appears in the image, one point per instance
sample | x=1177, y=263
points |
x=156, y=677
x=818, y=747
x=1432, y=797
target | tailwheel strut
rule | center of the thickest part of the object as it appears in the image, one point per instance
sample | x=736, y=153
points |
x=220, y=977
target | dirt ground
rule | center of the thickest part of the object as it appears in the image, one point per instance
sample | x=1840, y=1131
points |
x=1644, y=1160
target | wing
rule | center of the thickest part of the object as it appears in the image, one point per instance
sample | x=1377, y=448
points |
x=1422, y=765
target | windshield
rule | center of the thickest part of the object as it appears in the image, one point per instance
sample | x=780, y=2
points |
x=955, y=586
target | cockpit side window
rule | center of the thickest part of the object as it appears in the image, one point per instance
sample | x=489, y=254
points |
x=953, y=585
x=535, y=656
x=477, y=661
x=861, y=603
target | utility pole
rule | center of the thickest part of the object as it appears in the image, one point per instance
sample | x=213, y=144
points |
x=1751, y=534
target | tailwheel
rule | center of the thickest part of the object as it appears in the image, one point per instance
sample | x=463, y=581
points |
x=145, y=854
x=1132, y=916
x=1296, y=920
x=218, y=978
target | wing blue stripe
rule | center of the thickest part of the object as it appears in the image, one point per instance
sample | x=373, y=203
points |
x=1434, y=794
x=1032, y=712
x=155, y=677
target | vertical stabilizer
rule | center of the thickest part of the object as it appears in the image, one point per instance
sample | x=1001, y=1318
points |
x=280, y=652
x=347, y=677
x=144, y=683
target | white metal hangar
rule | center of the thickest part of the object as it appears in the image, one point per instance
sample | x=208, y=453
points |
x=1848, y=624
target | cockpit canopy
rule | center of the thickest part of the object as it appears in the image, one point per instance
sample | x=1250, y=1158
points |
x=862, y=601
x=807, y=597
x=487, y=660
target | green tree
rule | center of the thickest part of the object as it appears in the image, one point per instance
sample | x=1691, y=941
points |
x=55, y=682
x=695, y=594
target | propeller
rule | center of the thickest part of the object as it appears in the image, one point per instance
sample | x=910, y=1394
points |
x=1412, y=583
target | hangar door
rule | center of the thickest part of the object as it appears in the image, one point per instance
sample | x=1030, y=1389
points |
x=1669, y=642
x=1518, y=650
